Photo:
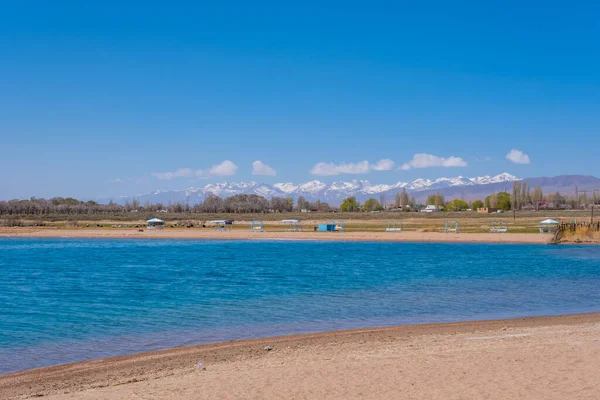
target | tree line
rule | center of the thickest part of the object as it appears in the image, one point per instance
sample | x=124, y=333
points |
x=242, y=203
x=522, y=197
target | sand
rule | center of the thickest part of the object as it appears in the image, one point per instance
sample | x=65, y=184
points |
x=198, y=233
x=534, y=358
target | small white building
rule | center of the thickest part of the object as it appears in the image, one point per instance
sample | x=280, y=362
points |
x=430, y=208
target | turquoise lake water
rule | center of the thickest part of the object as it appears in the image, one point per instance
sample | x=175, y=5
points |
x=64, y=300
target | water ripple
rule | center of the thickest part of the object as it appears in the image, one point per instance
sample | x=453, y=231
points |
x=64, y=300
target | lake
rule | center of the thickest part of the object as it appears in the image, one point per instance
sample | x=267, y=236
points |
x=65, y=300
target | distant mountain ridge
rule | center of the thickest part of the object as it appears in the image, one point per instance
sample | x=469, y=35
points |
x=334, y=193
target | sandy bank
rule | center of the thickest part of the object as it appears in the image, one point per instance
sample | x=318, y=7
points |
x=173, y=233
x=534, y=358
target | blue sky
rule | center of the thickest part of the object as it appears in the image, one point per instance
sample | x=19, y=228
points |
x=106, y=98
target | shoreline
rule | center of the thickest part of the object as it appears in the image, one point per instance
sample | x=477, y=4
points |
x=237, y=234
x=116, y=377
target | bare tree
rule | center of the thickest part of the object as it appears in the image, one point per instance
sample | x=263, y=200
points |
x=300, y=203
x=404, y=201
x=397, y=201
x=212, y=204
x=537, y=197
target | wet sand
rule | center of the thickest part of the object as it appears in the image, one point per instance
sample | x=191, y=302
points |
x=238, y=234
x=534, y=358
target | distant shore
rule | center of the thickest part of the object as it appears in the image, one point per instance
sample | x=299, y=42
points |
x=542, y=357
x=238, y=234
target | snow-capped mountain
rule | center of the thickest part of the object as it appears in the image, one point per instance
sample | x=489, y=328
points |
x=427, y=184
x=332, y=193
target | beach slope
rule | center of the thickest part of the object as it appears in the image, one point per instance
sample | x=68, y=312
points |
x=533, y=358
x=209, y=234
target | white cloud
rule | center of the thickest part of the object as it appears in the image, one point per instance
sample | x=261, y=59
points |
x=260, y=168
x=329, y=169
x=180, y=173
x=225, y=168
x=361, y=167
x=423, y=160
x=518, y=157
x=383, y=165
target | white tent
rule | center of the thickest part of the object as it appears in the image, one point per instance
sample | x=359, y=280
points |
x=294, y=225
x=155, y=223
x=548, y=225
x=222, y=224
x=549, y=222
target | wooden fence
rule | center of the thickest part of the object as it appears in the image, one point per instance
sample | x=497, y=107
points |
x=572, y=226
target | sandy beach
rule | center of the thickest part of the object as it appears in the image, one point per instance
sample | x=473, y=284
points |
x=238, y=234
x=534, y=358
x=271, y=201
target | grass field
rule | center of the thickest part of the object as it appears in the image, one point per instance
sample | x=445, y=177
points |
x=520, y=222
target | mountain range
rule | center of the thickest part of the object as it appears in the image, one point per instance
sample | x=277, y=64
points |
x=334, y=193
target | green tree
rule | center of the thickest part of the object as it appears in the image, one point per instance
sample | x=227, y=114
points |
x=350, y=205
x=372, y=205
x=457, y=205
x=435, y=200
x=503, y=201
x=477, y=204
